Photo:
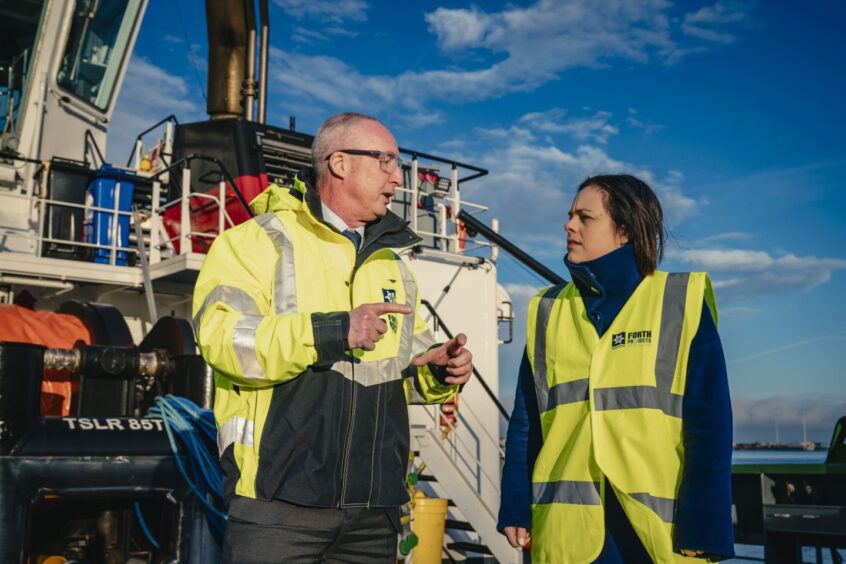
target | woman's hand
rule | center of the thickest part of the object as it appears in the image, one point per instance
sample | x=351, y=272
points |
x=691, y=553
x=519, y=537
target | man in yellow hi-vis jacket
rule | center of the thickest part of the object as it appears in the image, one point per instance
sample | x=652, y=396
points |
x=308, y=318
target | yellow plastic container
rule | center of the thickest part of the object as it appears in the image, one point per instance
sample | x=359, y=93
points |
x=429, y=517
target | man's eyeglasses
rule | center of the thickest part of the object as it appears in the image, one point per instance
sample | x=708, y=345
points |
x=388, y=162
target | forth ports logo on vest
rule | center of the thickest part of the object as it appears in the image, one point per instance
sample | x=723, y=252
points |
x=631, y=338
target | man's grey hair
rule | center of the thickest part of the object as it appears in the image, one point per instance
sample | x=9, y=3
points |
x=329, y=138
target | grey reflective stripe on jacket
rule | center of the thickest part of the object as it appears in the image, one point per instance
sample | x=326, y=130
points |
x=285, y=283
x=244, y=332
x=284, y=297
x=623, y=397
x=235, y=430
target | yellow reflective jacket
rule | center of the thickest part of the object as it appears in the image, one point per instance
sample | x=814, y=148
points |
x=299, y=417
x=610, y=407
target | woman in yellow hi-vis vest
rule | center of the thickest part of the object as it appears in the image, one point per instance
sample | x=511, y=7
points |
x=619, y=447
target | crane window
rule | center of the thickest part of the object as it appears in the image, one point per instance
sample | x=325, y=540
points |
x=97, y=43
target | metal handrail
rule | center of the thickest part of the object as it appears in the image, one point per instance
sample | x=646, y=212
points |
x=171, y=118
x=455, y=164
x=91, y=142
x=478, y=376
x=467, y=455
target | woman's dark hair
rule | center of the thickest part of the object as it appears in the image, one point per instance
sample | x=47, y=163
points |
x=636, y=211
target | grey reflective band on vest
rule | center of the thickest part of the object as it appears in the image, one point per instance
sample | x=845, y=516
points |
x=539, y=354
x=566, y=392
x=236, y=430
x=566, y=491
x=637, y=397
x=663, y=507
x=285, y=285
x=672, y=321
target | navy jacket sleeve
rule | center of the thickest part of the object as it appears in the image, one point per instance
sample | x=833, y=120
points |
x=703, y=513
x=522, y=445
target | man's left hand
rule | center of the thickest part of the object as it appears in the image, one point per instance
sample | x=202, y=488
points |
x=454, y=356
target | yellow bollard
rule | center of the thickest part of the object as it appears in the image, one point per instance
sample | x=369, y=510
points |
x=429, y=516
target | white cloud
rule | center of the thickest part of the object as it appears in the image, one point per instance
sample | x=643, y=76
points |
x=335, y=11
x=308, y=36
x=595, y=128
x=708, y=22
x=648, y=127
x=533, y=179
x=737, y=311
x=728, y=236
x=197, y=59
x=322, y=34
x=741, y=274
x=528, y=47
x=522, y=292
x=459, y=28
x=793, y=344
x=756, y=419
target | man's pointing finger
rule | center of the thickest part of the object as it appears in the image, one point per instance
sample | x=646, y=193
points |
x=388, y=307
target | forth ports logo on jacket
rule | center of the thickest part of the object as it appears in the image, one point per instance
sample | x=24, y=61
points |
x=390, y=296
x=624, y=338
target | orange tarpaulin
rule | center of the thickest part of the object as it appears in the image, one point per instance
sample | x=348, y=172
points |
x=54, y=331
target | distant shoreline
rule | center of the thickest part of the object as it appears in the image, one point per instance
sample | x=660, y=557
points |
x=806, y=446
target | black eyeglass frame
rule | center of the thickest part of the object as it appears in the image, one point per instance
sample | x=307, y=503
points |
x=382, y=156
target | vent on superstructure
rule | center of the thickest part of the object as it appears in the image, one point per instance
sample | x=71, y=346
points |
x=283, y=160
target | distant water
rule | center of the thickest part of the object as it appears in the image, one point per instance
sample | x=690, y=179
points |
x=778, y=456
x=747, y=553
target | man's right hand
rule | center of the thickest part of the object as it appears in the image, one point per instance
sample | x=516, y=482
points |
x=367, y=328
x=518, y=537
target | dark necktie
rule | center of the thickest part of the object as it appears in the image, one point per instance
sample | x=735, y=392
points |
x=352, y=236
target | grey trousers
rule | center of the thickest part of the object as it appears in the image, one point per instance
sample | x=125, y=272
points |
x=260, y=532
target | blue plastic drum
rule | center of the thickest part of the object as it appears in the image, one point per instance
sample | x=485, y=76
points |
x=108, y=184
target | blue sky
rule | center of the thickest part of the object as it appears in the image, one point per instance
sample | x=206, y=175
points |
x=732, y=111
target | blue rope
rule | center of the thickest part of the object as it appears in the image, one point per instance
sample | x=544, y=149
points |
x=143, y=525
x=196, y=429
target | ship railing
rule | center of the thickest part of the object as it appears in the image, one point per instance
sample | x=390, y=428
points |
x=148, y=209
x=163, y=246
x=166, y=144
x=45, y=207
x=449, y=233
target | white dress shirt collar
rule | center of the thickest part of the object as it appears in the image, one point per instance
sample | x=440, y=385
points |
x=335, y=221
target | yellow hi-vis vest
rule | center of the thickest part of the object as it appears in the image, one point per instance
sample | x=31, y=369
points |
x=611, y=407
